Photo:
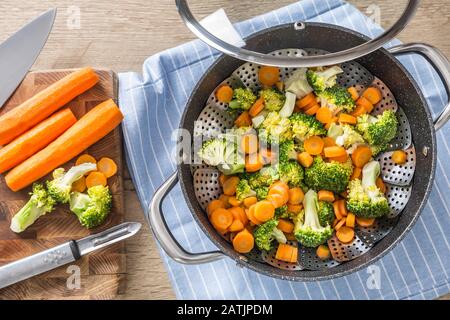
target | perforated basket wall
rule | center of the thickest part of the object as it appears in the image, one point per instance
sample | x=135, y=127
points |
x=214, y=119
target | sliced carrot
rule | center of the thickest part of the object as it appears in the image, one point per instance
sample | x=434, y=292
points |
x=323, y=252
x=250, y=212
x=342, y=159
x=256, y=108
x=353, y=92
x=305, y=159
x=213, y=205
x=324, y=115
x=296, y=196
x=340, y=224
x=107, y=166
x=31, y=112
x=239, y=213
x=229, y=186
x=361, y=156
x=328, y=125
x=35, y=139
x=342, y=207
x=312, y=110
x=368, y=106
x=221, y=218
x=249, y=201
x=334, y=152
x=237, y=225
x=286, y=252
x=285, y=225
x=269, y=75
x=243, y=242
x=340, y=210
x=243, y=120
x=335, y=222
x=224, y=198
x=253, y=162
x=350, y=220
x=358, y=111
x=328, y=142
x=365, y=222
x=380, y=184
x=264, y=210
x=276, y=199
x=85, y=158
x=345, y=234
x=79, y=185
x=373, y=95
x=95, y=178
x=294, y=208
x=234, y=202
x=249, y=143
x=325, y=195
x=224, y=94
x=399, y=157
x=222, y=179
x=356, y=174
x=313, y=145
x=346, y=118
x=93, y=126
x=281, y=188
x=306, y=100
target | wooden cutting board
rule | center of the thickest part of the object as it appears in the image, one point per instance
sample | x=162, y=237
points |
x=102, y=273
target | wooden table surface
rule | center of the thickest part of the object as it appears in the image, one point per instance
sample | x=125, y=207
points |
x=121, y=34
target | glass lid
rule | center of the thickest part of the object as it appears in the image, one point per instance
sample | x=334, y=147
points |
x=211, y=21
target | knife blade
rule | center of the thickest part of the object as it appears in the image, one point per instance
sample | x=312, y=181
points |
x=18, y=52
x=63, y=254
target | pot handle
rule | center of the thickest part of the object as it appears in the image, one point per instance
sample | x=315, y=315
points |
x=162, y=233
x=439, y=62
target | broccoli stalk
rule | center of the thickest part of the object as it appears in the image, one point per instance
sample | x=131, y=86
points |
x=39, y=204
x=91, y=208
x=321, y=80
x=365, y=199
x=266, y=233
x=310, y=232
x=61, y=185
x=243, y=99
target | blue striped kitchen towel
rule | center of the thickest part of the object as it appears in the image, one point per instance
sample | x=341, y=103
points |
x=418, y=268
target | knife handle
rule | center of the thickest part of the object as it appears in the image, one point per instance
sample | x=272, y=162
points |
x=38, y=263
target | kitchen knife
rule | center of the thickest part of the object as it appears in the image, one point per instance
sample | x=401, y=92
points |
x=18, y=52
x=63, y=254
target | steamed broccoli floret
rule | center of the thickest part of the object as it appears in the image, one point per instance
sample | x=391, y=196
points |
x=337, y=99
x=326, y=213
x=262, y=178
x=305, y=126
x=349, y=136
x=61, y=185
x=320, y=80
x=261, y=193
x=282, y=212
x=223, y=154
x=308, y=231
x=291, y=172
x=378, y=131
x=333, y=175
x=266, y=233
x=365, y=199
x=287, y=151
x=243, y=99
x=273, y=99
x=91, y=208
x=275, y=129
x=39, y=204
x=243, y=190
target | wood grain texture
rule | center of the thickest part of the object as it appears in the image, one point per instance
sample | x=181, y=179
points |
x=102, y=273
x=121, y=34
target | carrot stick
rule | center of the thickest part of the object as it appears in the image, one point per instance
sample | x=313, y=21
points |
x=280, y=188
x=325, y=195
x=368, y=106
x=93, y=126
x=313, y=145
x=85, y=158
x=306, y=100
x=353, y=92
x=243, y=120
x=221, y=219
x=345, y=234
x=35, y=139
x=257, y=107
x=285, y=226
x=264, y=210
x=356, y=174
x=243, y=242
x=305, y=159
x=373, y=95
x=346, y=118
x=34, y=110
x=361, y=156
x=107, y=166
x=334, y=152
x=358, y=111
x=312, y=110
x=79, y=185
x=269, y=75
x=341, y=159
x=95, y=178
x=224, y=94
x=249, y=143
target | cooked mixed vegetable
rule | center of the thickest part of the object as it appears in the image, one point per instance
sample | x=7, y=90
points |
x=299, y=166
